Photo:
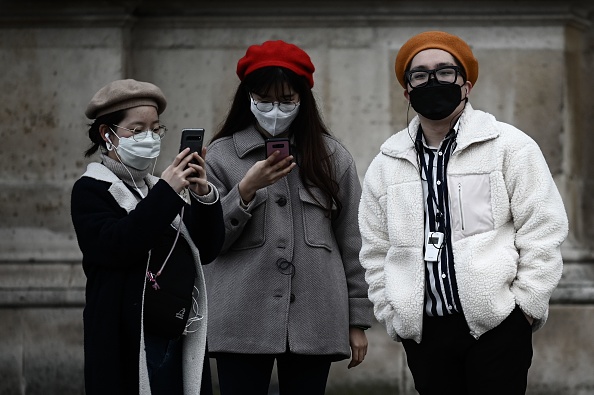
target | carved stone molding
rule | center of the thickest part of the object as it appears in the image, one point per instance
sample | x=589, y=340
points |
x=235, y=13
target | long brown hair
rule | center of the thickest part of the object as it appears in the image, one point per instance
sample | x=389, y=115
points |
x=316, y=167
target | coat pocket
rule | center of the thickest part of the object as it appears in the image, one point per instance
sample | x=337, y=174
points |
x=405, y=214
x=470, y=204
x=253, y=234
x=317, y=224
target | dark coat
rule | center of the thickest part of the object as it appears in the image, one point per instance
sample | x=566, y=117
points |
x=256, y=305
x=115, y=235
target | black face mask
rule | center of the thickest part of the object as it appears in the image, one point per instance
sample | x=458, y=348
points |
x=435, y=101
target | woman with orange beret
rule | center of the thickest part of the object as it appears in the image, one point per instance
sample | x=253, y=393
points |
x=462, y=225
x=287, y=286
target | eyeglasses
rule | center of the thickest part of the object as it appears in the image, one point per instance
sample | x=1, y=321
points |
x=443, y=75
x=138, y=134
x=267, y=106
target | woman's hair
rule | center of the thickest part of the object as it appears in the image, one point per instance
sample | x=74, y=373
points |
x=316, y=167
x=95, y=136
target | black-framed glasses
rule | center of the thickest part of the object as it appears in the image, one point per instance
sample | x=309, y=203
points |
x=267, y=106
x=138, y=134
x=443, y=75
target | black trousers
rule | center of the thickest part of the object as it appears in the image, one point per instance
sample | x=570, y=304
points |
x=249, y=374
x=449, y=361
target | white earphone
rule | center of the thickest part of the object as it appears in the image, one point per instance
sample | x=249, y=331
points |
x=108, y=144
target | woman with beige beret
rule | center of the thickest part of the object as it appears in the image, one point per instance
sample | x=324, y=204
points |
x=143, y=242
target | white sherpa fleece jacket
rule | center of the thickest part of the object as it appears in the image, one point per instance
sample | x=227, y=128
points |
x=508, y=223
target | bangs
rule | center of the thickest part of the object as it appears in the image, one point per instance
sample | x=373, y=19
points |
x=272, y=81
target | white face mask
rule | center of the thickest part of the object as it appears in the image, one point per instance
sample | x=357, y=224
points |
x=274, y=121
x=138, y=152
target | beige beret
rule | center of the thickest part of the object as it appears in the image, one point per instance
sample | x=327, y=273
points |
x=123, y=94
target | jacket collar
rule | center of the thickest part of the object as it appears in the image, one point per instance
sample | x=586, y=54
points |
x=247, y=140
x=128, y=201
x=474, y=126
x=120, y=192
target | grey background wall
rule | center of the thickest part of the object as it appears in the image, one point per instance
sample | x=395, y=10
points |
x=535, y=72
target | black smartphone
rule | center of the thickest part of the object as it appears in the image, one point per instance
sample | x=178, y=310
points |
x=193, y=138
x=278, y=144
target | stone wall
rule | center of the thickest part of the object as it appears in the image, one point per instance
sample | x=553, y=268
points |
x=535, y=72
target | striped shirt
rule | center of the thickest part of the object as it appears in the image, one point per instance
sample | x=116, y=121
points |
x=441, y=290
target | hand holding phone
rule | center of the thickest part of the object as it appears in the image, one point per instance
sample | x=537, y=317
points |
x=192, y=138
x=278, y=144
x=262, y=174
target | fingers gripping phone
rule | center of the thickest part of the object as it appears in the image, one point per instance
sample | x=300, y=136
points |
x=278, y=144
x=192, y=138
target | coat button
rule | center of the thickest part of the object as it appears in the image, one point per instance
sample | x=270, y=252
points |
x=281, y=201
x=292, y=298
x=234, y=221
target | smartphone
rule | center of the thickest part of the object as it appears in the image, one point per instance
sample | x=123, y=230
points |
x=193, y=138
x=278, y=144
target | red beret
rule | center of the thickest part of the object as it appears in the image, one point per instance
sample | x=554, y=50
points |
x=276, y=53
x=437, y=40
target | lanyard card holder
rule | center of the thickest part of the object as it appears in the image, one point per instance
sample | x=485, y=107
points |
x=433, y=246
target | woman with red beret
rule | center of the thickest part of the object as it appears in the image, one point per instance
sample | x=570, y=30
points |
x=287, y=286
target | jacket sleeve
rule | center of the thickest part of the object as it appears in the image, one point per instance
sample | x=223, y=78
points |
x=226, y=180
x=206, y=226
x=375, y=244
x=541, y=227
x=348, y=238
x=109, y=235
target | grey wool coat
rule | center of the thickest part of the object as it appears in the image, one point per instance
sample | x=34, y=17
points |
x=287, y=275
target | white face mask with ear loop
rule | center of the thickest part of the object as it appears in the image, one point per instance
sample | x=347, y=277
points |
x=131, y=158
x=138, y=154
x=274, y=121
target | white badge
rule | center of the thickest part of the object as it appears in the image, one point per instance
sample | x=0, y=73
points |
x=433, y=246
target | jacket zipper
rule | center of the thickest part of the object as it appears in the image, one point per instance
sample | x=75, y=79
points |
x=460, y=202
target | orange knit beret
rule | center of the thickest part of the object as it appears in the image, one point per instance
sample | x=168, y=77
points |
x=437, y=40
x=276, y=53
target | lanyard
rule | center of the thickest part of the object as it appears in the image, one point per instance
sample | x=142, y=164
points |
x=437, y=220
x=152, y=277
